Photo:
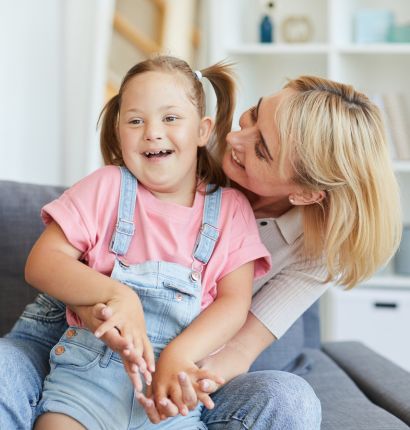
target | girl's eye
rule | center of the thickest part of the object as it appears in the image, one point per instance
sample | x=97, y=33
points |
x=136, y=121
x=258, y=152
x=170, y=118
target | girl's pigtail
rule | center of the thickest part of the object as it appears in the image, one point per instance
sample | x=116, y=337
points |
x=109, y=142
x=221, y=77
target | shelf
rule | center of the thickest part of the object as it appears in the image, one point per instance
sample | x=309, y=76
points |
x=390, y=282
x=401, y=165
x=279, y=48
x=376, y=48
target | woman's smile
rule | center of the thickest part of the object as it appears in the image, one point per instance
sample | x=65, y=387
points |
x=236, y=159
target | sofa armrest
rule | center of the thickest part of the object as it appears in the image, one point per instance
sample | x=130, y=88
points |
x=382, y=381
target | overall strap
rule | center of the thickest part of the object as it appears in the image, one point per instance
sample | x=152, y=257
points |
x=209, y=232
x=124, y=229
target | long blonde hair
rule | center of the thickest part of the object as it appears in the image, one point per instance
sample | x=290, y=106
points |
x=336, y=140
x=220, y=76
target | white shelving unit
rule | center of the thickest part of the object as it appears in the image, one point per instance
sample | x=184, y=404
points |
x=331, y=53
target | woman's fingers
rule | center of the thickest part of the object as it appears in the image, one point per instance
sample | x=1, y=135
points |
x=102, y=312
x=104, y=327
x=208, y=386
x=206, y=400
x=210, y=376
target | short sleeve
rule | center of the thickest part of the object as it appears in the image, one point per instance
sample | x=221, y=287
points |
x=85, y=210
x=246, y=244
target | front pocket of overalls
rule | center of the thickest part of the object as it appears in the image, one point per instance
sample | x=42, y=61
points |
x=168, y=310
x=169, y=297
x=71, y=353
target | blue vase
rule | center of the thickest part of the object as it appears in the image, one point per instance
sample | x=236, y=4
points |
x=266, y=30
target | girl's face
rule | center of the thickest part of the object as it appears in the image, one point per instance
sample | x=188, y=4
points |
x=159, y=131
x=251, y=159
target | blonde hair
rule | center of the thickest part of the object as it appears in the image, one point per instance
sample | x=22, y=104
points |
x=220, y=75
x=335, y=139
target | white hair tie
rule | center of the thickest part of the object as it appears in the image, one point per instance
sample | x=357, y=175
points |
x=198, y=75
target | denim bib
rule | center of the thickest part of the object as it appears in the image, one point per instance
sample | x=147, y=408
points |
x=87, y=380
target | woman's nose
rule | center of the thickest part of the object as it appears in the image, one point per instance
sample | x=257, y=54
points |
x=238, y=138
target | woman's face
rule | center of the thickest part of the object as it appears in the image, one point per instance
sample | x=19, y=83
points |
x=252, y=157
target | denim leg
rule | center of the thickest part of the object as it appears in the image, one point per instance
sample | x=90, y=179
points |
x=264, y=400
x=24, y=358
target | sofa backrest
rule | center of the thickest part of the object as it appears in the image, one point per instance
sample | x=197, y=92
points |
x=21, y=225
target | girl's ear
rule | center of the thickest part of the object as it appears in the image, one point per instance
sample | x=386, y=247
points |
x=304, y=198
x=205, y=129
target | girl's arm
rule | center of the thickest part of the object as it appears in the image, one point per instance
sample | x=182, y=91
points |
x=208, y=332
x=53, y=267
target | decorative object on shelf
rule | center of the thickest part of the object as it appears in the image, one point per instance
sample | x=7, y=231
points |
x=297, y=29
x=266, y=26
x=373, y=25
x=402, y=257
x=399, y=33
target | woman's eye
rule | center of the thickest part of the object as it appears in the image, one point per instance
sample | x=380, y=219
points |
x=170, y=118
x=253, y=114
x=258, y=152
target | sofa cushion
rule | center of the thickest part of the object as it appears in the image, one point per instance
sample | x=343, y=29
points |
x=20, y=226
x=285, y=353
x=344, y=406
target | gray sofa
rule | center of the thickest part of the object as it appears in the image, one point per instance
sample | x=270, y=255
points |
x=358, y=388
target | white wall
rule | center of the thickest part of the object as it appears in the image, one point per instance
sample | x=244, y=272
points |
x=52, y=80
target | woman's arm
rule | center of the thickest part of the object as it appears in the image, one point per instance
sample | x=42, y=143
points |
x=208, y=332
x=241, y=351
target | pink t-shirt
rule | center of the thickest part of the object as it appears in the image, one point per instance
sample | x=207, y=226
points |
x=87, y=213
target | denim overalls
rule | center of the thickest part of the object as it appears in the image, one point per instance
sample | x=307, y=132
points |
x=87, y=380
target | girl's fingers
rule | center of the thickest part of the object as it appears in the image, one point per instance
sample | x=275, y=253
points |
x=149, y=355
x=134, y=375
x=149, y=407
x=166, y=408
x=189, y=396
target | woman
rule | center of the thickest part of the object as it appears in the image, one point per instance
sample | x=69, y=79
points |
x=313, y=161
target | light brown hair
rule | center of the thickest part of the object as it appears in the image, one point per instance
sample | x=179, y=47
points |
x=335, y=139
x=220, y=76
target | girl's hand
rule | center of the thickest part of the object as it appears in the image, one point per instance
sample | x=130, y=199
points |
x=127, y=317
x=192, y=393
x=92, y=317
x=176, y=386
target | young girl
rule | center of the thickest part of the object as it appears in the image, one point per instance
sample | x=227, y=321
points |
x=181, y=251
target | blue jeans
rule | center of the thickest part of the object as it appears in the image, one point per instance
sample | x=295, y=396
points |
x=260, y=400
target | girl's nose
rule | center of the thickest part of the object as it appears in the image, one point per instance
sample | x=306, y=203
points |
x=153, y=132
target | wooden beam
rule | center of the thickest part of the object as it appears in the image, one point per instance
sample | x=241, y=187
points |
x=135, y=37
